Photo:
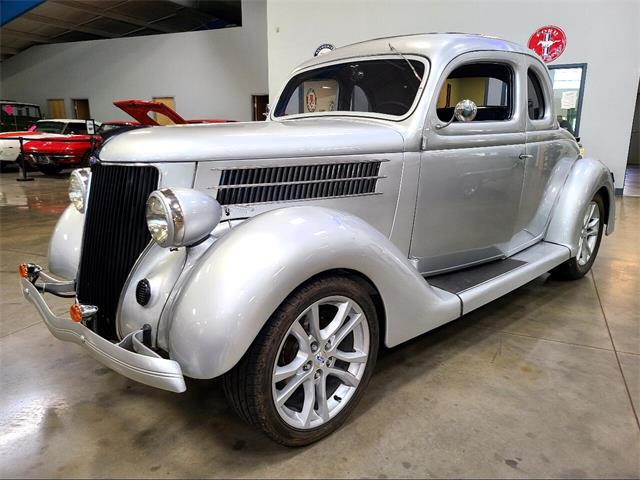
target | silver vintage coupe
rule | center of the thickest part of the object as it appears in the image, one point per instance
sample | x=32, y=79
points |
x=396, y=185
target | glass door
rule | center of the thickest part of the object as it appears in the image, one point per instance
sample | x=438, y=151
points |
x=568, y=90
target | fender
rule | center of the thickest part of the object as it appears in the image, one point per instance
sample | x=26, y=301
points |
x=586, y=177
x=243, y=278
x=66, y=243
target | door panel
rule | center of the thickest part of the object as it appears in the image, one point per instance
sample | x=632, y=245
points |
x=467, y=206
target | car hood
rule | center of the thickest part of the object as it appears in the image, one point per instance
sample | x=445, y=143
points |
x=253, y=140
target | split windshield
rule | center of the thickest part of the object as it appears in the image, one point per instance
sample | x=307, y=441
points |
x=386, y=87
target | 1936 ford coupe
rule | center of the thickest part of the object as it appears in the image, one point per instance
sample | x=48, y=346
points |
x=397, y=184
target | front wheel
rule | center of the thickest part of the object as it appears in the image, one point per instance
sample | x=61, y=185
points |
x=588, y=243
x=310, y=364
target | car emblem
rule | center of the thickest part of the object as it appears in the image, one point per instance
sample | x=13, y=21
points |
x=321, y=359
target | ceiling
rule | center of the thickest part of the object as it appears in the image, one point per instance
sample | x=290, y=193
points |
x=55, y=21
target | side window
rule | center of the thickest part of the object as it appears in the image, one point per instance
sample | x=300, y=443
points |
x=535, y=97
x=359, y=100
x=489, y=85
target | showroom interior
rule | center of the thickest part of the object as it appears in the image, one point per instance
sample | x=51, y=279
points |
x=538, y=381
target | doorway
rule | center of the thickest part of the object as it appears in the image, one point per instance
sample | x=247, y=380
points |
x=169, y=102
x=631, y=186
x=81, y=109
x=259, y=105
x=55, y=107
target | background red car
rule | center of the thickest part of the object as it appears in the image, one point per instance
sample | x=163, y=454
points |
x=51, y=155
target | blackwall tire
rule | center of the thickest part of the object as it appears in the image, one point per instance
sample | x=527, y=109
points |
x=339, y=372
x=578, y=266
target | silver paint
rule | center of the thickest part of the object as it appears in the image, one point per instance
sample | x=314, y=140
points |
x=460, y=195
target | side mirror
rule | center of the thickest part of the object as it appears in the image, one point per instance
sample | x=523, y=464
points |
x=464, y=111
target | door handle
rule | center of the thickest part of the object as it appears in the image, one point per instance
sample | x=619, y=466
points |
x=524, y=156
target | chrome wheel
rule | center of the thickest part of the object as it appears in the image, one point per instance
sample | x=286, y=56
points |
x=588, y=234
x=320, y=362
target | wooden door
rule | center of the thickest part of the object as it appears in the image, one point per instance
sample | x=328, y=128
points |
x=259, y=104
x=55, y=107
x=81, y=109
x=169, y=102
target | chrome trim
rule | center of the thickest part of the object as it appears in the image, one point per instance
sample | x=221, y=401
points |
x=130, y=357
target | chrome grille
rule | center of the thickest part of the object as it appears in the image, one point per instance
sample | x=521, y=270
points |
x=298, y=182
x=115, y=233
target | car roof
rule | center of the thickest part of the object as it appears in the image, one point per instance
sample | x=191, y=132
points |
x=441, y=47
x=20, y=103
x=65, y=120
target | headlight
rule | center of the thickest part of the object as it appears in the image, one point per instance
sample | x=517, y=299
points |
x=79, y=187
x=179, y=217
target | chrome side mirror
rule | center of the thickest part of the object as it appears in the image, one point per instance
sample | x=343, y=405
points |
x=464, y=111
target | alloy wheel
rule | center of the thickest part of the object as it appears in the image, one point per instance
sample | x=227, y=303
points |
x=320, y=362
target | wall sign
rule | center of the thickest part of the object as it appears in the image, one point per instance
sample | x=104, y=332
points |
x=312, y=100
x=548, y=42
x=324, y=48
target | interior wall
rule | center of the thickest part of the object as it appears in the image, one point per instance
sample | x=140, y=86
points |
x=602, y=33
x=210, y=73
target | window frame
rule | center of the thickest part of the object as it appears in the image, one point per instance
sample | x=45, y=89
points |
x=539, y=92
x=394, y=118
x=515, y=125
x=583, y=81
x=511, y=87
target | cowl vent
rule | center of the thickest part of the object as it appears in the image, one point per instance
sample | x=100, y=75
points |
x=300, y=182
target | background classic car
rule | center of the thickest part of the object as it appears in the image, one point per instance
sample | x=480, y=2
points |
x=398, y=184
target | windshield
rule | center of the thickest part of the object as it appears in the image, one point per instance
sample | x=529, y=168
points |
x=386, y=87
x=49, y=127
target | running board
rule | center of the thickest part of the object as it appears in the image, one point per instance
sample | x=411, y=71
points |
x=477, y=286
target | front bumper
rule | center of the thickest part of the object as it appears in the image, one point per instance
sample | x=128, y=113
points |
x=130, y=357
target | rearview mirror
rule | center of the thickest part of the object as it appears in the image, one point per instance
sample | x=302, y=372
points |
x=464, y=111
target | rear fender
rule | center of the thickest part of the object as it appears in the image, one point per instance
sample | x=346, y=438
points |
x=587, y=177
x=243, y=278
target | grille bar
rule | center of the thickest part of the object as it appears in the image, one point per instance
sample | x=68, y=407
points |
x=115, y=233
x=298, y=182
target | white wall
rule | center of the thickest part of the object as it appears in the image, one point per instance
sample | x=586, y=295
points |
x=604, y=34
x=211, y=74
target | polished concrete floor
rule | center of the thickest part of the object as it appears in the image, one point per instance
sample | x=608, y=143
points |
x=542, y=383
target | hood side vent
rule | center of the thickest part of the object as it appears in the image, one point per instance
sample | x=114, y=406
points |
x=299, y=182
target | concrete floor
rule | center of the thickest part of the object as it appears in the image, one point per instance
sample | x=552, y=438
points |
x=541, y=383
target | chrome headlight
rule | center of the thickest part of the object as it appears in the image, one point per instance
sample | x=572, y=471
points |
x=79, y=188
x=179, y=217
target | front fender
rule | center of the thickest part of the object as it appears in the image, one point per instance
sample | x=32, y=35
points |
x=587, y=177
x=243, y=278
x=65, y=244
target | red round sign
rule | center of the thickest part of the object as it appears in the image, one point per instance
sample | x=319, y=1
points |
x=548, y=42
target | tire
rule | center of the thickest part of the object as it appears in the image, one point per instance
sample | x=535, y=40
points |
x=578, y=266
x=251, y=388
x=50, y=169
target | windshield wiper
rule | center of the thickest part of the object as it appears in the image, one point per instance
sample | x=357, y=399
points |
x=394, y=50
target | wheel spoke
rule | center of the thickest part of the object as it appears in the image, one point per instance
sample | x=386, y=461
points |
x=284, y=394
x=314, y=321
x=589, y=216
x=309, y=402
x=301, y=336
x=338, y=320
x=321, y=398
x=588, y=249
x=351, y=357
x=346, y=330
x=290, y=369
x=345, y=377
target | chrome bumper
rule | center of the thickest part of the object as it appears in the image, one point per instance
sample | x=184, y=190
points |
x=130, y=357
